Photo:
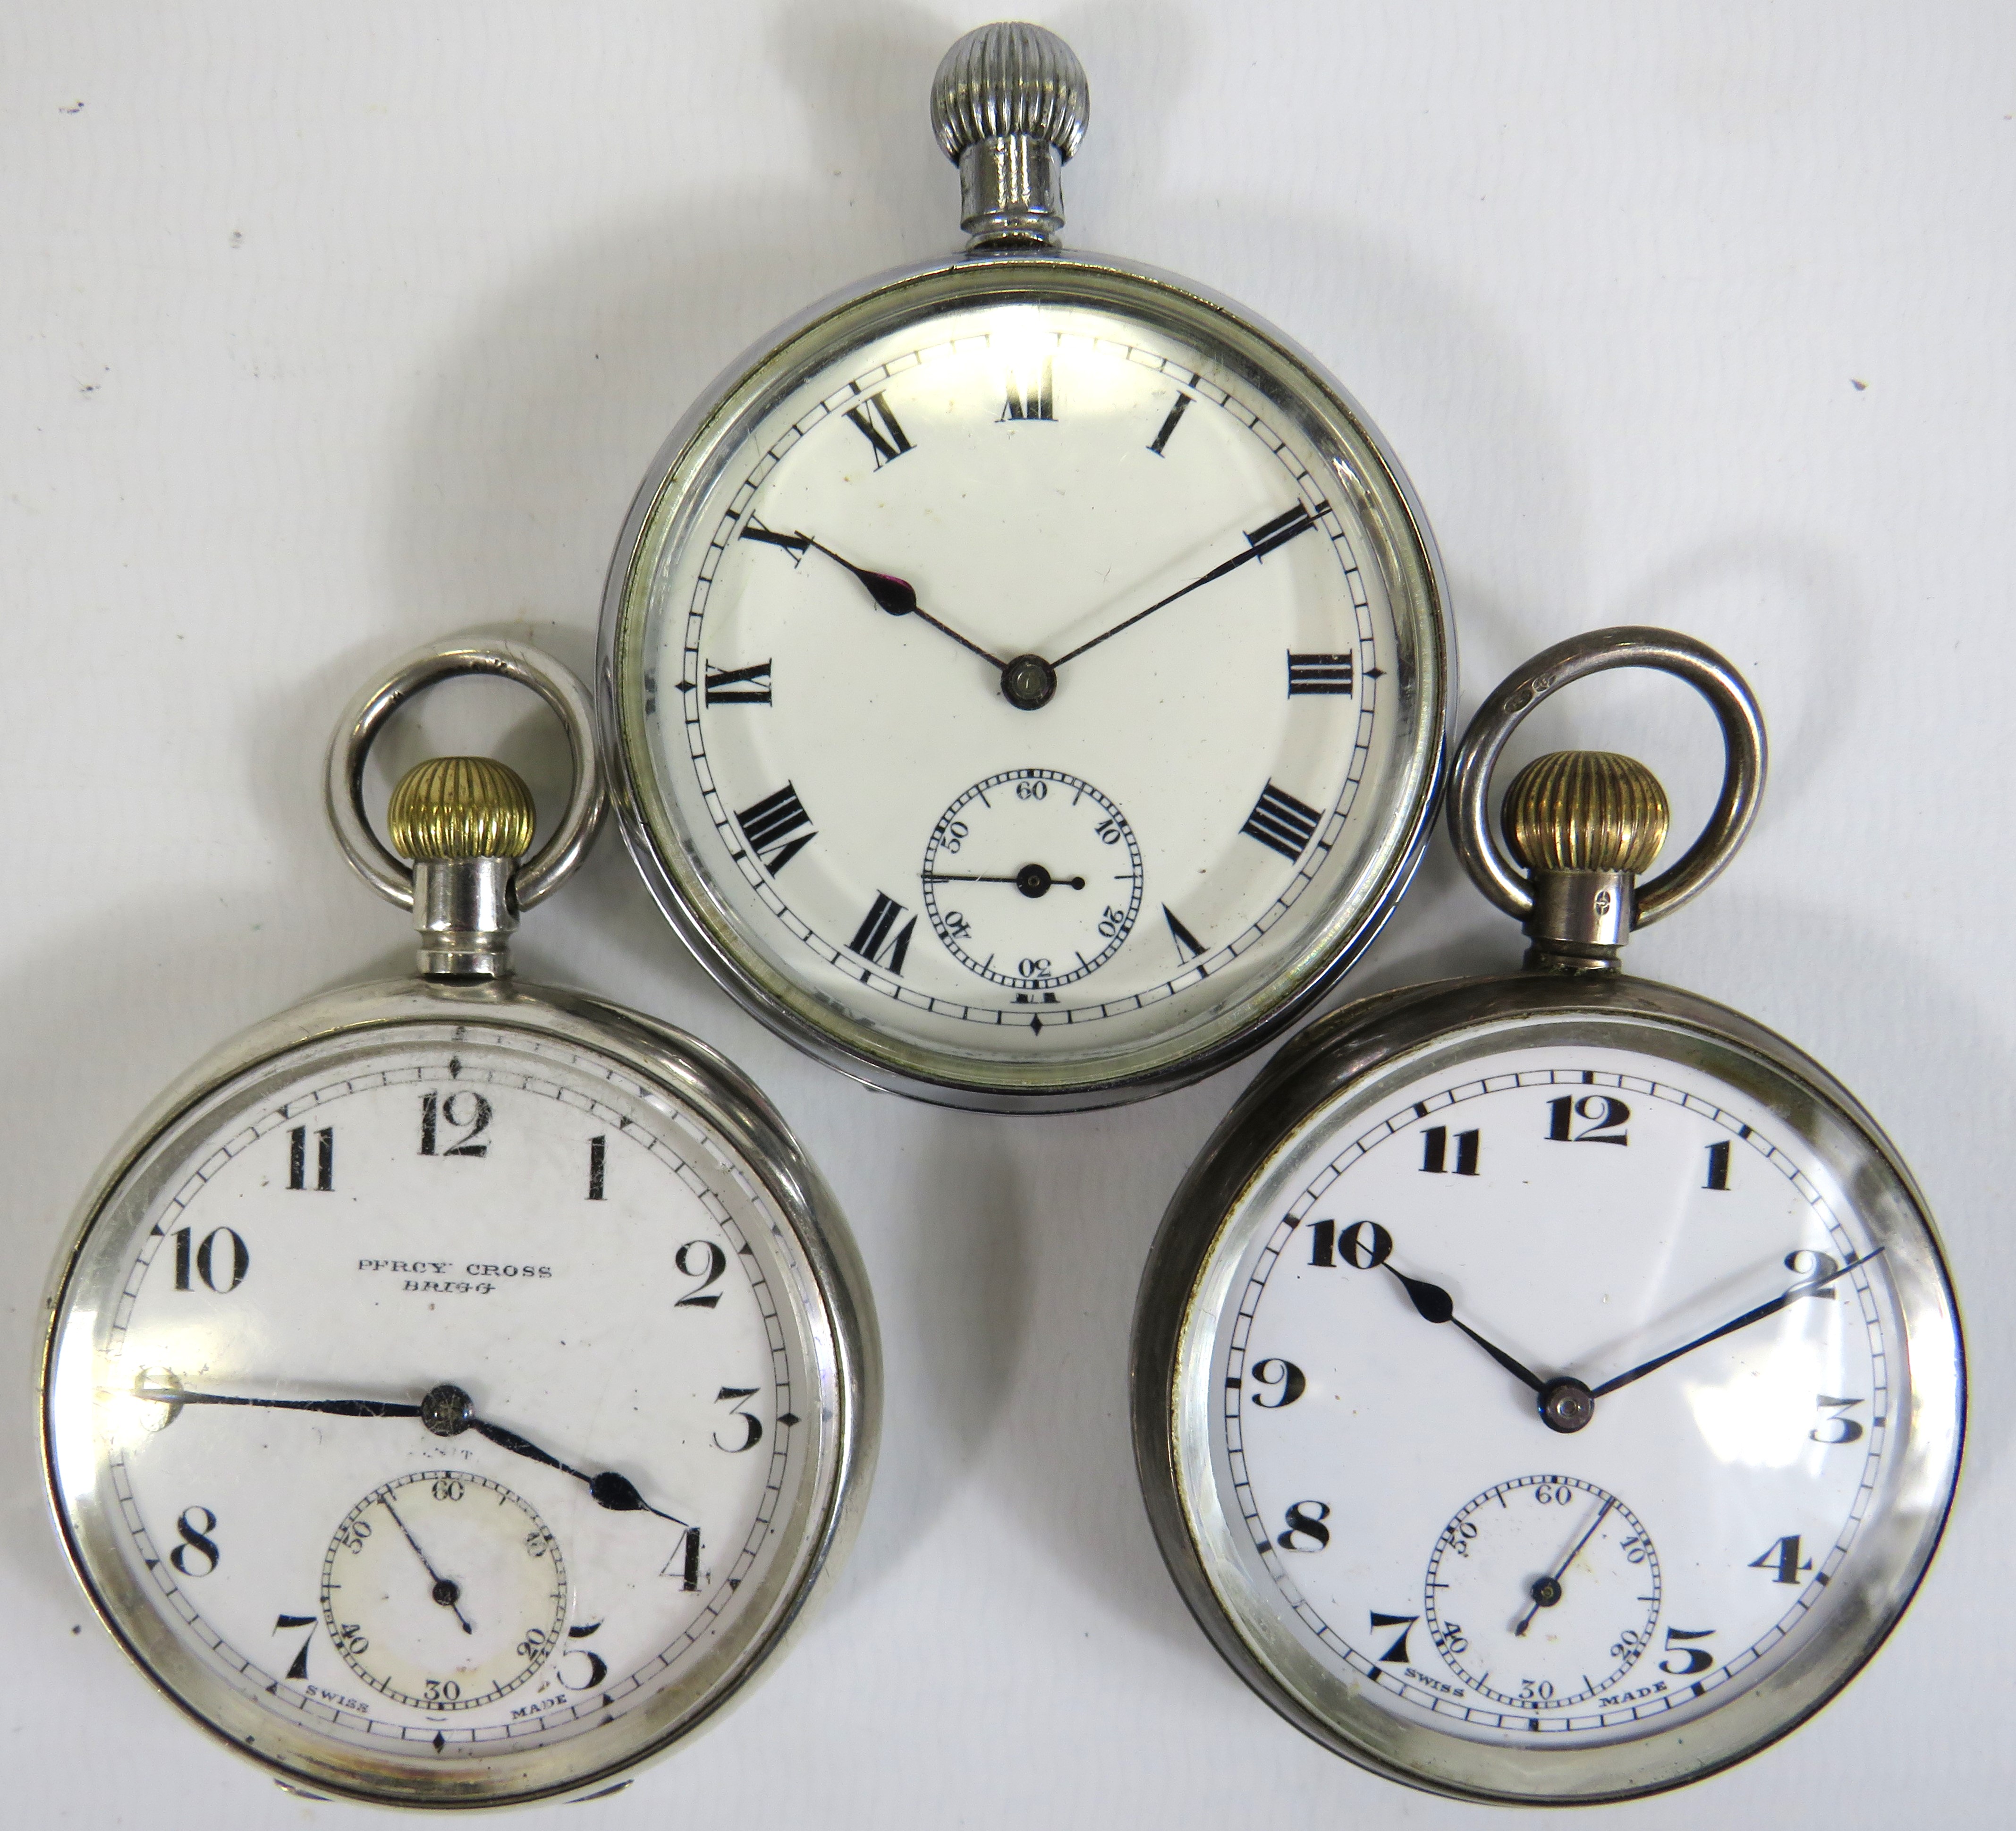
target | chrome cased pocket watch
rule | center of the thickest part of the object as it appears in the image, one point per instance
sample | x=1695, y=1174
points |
x=456, y=1389
x=1548, y=1388
x=1025, y=675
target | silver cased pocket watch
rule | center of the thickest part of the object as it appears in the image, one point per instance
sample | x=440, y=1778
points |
x=456, y=1389
x=1025, y=675
x=1548, y=1388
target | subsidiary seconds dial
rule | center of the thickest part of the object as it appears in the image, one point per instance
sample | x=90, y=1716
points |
x=1007, y=915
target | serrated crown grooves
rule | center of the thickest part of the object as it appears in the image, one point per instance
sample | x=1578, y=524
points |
x=1585, y=811
x=1009, y=78
x=461, y=807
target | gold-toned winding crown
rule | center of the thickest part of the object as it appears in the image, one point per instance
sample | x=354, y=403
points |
x=1585, y=811
x=461, y=807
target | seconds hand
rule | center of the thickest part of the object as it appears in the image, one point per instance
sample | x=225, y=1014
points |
x=447, y=1592
x=1547, y=1590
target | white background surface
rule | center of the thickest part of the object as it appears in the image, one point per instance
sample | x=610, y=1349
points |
x=330, y=328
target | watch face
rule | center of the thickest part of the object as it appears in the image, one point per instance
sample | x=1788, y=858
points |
x=1562, y=1418
x=444, y=1416
x=1031, y=687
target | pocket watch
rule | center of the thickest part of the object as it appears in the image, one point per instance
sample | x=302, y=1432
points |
x=456, y=1389
x=1025, y=675
x=1547, y=1387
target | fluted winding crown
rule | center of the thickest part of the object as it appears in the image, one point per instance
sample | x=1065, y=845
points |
x=461, y=807
x=1009, y=78
x=1585, y=811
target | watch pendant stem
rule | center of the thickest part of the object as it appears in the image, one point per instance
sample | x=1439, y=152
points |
x=1008, y=106
x=1585, y=823
x=465, y=821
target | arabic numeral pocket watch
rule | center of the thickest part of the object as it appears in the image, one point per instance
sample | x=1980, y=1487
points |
x=1025, y=675
x=1547, y=1387
x=456, y=1389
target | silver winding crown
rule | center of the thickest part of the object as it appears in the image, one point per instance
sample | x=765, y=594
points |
x=1008, y=105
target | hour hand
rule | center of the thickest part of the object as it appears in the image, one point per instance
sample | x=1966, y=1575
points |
x=448, y=1410
x=896, y=595
x=1434, y=1304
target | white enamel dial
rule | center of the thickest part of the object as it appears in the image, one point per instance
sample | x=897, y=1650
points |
x=1028, y=541
x=1551, y=1398
x=447, y=1396
x=1585, y=1214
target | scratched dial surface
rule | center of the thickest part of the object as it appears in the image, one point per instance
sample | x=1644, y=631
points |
x=455, y=1396
x=1405, y=1278
x=1235, y=662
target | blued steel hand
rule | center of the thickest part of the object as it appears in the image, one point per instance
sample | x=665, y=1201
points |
x=447, y=1411
x=1806, y=1288
x=447, y=1592
x=1262, y=542
x=1547, y=1591
x=896, y=595
x=1435, y=1305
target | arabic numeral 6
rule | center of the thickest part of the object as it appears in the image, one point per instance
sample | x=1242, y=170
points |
x=1032, y=791
x=1113, y=921
x=1629, y=1644
x=534, y=1644
x=447, y=1487
x=1553, y=1494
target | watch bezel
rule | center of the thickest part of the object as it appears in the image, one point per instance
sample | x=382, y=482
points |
x=842, y=1333
x=1357, y=1055
x=661, y=519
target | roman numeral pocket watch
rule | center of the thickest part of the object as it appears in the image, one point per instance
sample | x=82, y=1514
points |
x=455, y=1388
x=1026, y=674
x=1548, y=1387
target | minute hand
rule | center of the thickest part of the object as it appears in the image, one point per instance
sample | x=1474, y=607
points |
x=1742, y=1321
x=1277, y=533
